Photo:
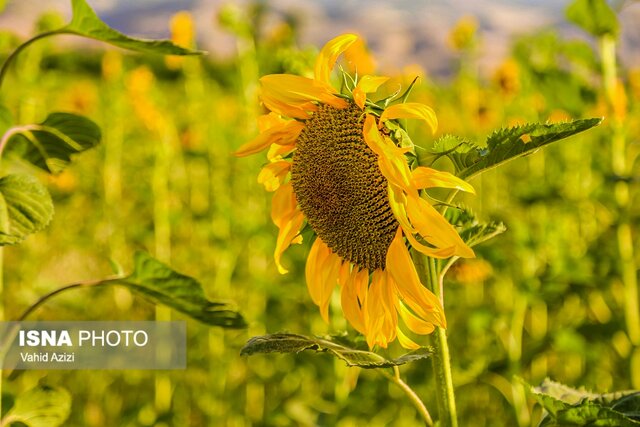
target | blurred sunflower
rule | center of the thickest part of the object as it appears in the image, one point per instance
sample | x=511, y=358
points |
x=335, y=164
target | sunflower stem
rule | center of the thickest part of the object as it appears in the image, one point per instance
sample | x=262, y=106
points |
x=428, y=272
x=411, y=394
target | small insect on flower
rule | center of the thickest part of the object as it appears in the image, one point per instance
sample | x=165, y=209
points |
x=334, y=164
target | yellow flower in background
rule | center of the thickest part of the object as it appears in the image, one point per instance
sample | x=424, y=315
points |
x=333, y=165
x=463, y=34
x=182, y=34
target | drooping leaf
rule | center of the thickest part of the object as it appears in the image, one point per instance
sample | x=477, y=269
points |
x=86, y=23
x=293, y=343
x=507, y=144
x=566, y=406
x=470, y=228
x=25, y=208
x=159, y=283
x=594, y=16
x=49, y=145
x=42, y=406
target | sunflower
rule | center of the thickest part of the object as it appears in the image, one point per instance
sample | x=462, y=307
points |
x=335, y=166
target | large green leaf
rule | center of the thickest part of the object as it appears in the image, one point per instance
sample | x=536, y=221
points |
x=292, y=343
x=86, y=23
x=505, y=144
x=594, y=16
x=25, y=208
x=566, y=406
x=40, y=407
x=50, y=144
x=159, y=283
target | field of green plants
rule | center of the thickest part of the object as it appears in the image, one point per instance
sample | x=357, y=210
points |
x=552, y=293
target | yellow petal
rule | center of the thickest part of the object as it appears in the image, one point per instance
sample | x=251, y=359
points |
x=391, y=159
x=273, y=174
x=406, y=342
x=294, y=96
x=434, y=228
x=283, y=134
x=328, y=280
x=413, y=322
x=283, y=204
x=287, y=235
x=318, y=254
x=351, y=308
x=424, y=177
x=267, y=121
x=359, y=60
x=367, y=84
x=329, y=55
x=411, y=110
x=277, y=150
x=402, y=271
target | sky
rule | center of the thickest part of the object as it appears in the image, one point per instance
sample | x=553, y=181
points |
x=400, y=32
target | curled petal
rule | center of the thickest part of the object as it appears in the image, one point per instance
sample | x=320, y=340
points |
x=288, y=235
x=329, y=55
x=281, y=134
x=406, y=342
x=424, y=177
x=413, y=322
x=403, y=273
x=328, y=280
x=391, y=159
x=434, y=228
x=367, y=84
x=359, y=60
x=294, y=96
x=411, y=110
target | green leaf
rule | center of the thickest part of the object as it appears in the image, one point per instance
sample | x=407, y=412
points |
x=460, y=151
x=86, y=23
x=42, y=406
x=511, y=143
x=50, y=144
x=594, y=16
x=25, y=208
x=159, y=283
x=292, y=343
x=472, y=231
x=566, y=406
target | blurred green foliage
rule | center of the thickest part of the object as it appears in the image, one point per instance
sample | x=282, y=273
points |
x=542, y=300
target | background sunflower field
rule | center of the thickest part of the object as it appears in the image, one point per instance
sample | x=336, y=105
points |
x=548, y=298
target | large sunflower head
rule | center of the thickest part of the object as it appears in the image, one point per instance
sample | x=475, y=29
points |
x=334, y=164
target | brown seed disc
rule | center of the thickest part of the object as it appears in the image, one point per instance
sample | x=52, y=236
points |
x=340, y=188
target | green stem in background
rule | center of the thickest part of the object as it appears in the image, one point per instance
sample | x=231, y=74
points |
x=411, y=394
x=620, y=169
x=7, y=63
x=429, y=276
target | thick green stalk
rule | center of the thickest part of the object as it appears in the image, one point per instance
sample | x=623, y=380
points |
x=620, y=168
x=429, y=275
